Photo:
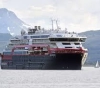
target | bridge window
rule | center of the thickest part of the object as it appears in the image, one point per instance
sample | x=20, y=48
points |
x=64, y=39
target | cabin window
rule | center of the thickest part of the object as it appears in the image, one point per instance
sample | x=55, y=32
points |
x=17, y=53
x=20, y=53
x=25, y=37
x=45, y=49
x=59, y=35
x=35, y=36
x=44, y=36
x=68, y=47
x=66, y=43
x=77, y=43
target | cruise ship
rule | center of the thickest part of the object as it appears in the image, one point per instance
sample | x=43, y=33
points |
x=53, y=49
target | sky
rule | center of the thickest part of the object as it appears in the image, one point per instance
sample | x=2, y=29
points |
x=75, y=15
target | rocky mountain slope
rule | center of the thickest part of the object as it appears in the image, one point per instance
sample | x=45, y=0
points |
x=9, y=22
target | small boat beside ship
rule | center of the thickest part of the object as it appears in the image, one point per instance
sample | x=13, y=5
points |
x=97, y=65
x=52, y=49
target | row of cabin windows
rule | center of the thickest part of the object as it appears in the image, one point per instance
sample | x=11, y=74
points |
x=70, y=43
x=19, y=41
x=6, y=53
x=41, y=36
x=68, y=39
x=72, y=47
x=21, y=52
x=15, y=53
x=40, y=40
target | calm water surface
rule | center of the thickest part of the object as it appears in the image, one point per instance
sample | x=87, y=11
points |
x=88, y=77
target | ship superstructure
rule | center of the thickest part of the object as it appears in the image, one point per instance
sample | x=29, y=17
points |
x=44, y=49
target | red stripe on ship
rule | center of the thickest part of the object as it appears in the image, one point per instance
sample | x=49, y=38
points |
x=68, y=50
x=7, y=57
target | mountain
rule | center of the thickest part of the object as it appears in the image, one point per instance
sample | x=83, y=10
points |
x=9, y=22
x=4, y=39
x=93, y=45
x=5, y=36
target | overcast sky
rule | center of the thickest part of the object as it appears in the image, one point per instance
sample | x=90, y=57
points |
x=75, y=15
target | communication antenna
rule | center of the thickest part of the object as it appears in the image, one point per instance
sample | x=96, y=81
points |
x=52, y=24
x=57, y=24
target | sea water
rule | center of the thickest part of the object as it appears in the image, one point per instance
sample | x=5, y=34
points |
x=88, y=77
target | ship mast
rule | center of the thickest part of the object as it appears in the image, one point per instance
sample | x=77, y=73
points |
x=56, y=24
x=52, y=24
